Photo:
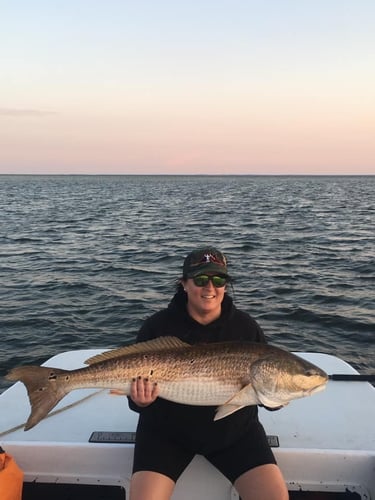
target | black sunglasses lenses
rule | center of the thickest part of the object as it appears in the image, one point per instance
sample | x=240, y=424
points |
x=203, y=279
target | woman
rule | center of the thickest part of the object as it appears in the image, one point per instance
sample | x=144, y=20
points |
x=170, y=434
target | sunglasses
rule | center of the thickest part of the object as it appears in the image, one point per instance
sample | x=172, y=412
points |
x=203, y=279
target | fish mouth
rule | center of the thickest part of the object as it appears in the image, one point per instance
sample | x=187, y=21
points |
x=317, y=388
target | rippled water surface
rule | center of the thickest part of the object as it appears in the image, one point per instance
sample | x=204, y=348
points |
x=83, y=260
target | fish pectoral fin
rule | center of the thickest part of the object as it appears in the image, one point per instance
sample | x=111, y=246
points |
x=159, y=344
x=246, y=396
x=225, y=410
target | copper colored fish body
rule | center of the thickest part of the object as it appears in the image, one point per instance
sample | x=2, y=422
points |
x=229, y=375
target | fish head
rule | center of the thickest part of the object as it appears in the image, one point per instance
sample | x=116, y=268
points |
x=279, y=378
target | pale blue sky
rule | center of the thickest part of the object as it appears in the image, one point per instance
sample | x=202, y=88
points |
x=187, y=87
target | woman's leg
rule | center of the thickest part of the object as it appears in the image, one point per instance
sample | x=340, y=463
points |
x=264, y=482
x=158, y=463
x=148, y=485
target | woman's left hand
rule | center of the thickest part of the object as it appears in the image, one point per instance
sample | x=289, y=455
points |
x=143, y=391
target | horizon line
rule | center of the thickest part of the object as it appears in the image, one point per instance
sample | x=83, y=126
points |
x=181, y=175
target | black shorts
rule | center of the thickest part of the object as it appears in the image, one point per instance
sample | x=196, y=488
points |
x=154, y=451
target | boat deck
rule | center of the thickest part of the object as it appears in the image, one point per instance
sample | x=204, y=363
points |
x=325, y=445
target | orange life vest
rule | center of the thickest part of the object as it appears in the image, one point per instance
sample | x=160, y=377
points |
x=11, y=478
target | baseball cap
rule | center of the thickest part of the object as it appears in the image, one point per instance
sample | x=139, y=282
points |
x=205, y=260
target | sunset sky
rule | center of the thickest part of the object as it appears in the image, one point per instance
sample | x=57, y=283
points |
x=187, y=87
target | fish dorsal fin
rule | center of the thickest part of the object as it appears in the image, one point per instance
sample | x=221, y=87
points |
x=159, y=344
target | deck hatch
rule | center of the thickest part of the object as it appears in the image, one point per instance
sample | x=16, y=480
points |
x=129, y=437
x=112, y=437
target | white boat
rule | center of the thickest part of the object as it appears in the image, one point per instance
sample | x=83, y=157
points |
x=324, y=445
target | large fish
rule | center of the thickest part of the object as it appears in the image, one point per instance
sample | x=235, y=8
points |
x=229, y=375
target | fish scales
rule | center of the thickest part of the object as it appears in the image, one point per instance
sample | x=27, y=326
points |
x=229, y=375
x=184, y=375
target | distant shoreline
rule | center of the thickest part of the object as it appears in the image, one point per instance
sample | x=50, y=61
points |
x=187, y=175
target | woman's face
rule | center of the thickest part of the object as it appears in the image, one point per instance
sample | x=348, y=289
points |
x=204, y=301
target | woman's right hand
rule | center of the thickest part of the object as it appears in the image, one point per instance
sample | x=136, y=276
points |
x=143, y=391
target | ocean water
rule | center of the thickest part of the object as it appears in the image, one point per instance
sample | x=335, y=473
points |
x=85, y=259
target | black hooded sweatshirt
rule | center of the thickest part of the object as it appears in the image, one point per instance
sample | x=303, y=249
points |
x=194, y=426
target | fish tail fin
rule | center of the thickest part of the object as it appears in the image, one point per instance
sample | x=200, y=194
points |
x=44, y=387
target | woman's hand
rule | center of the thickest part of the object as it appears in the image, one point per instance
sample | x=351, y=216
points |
x=143, y=392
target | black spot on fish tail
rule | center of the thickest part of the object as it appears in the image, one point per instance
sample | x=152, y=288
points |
x=43, y=388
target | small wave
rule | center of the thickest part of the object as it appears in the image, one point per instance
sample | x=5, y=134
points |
x=26, y=323
x=96, y=255
x=330, y=320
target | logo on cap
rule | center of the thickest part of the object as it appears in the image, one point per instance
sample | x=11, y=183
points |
x=209, y=257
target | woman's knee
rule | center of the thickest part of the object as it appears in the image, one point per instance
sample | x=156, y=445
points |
x=151, y=485
x=265, y=482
